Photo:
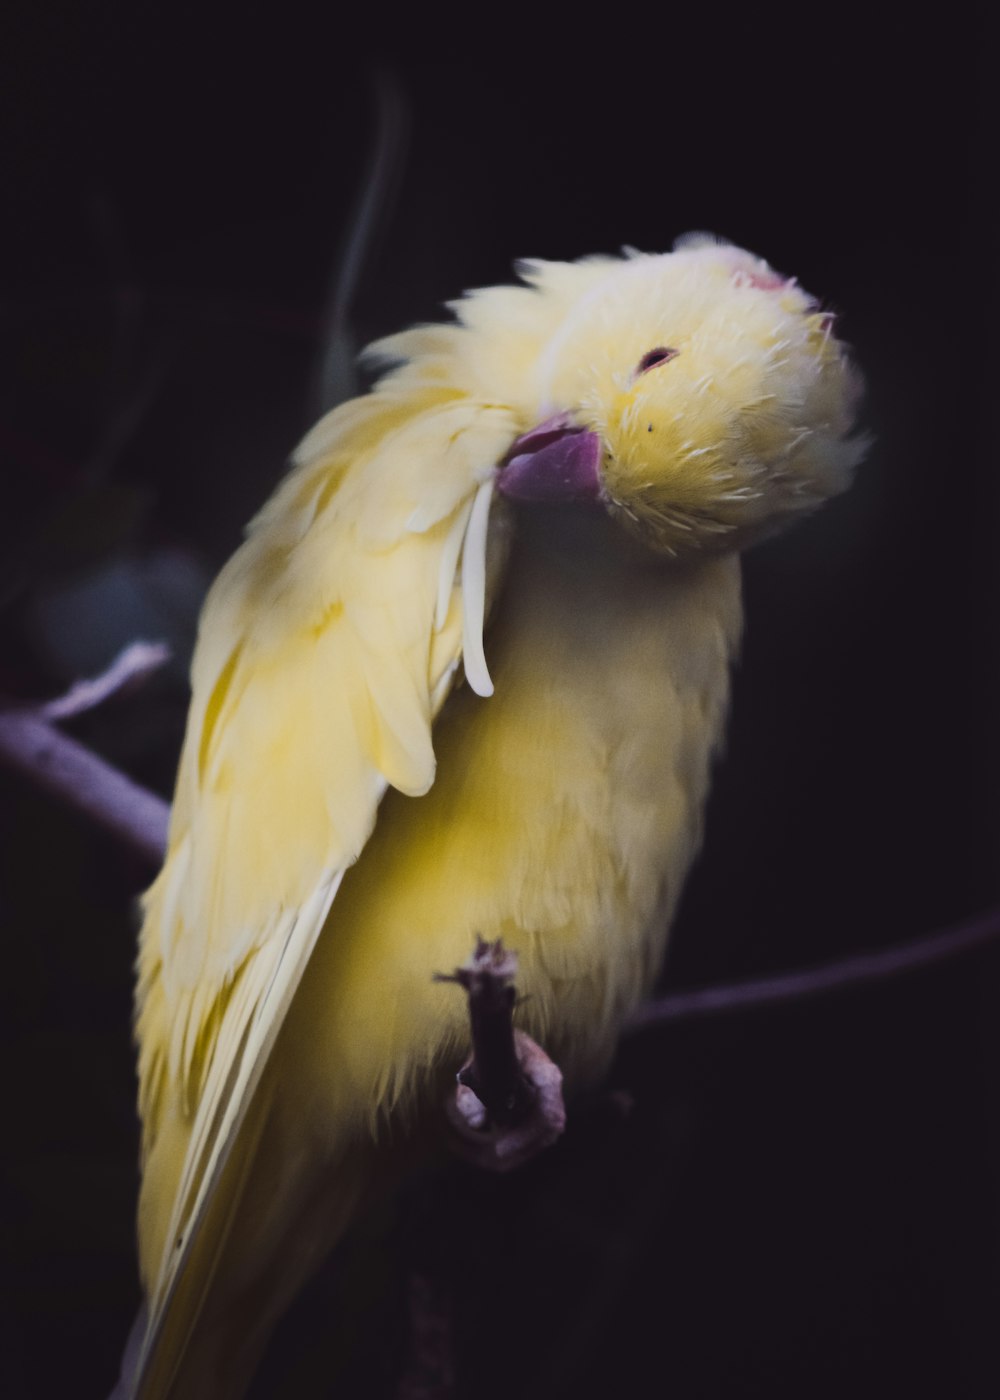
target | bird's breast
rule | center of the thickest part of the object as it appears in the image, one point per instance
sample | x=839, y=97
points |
x=564, y=815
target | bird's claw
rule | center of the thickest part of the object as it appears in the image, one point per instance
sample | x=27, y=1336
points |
x=502, y=1148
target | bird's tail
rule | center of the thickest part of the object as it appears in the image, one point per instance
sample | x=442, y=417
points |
x=125, y=1388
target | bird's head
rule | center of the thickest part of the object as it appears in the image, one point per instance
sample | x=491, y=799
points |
x=702, y=398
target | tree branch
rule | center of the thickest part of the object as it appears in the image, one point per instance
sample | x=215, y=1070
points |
x=507, y=1105
x=79, y=779
x=129, y=667
x=493, y=1072
x=863, y=969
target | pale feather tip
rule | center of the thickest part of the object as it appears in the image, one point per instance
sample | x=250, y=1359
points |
x=699, y=238
x=474, y=592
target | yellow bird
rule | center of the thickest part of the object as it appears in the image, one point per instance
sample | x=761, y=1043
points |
x=525, y=540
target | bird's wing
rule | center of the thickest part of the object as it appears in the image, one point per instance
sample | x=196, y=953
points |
x=326, y=647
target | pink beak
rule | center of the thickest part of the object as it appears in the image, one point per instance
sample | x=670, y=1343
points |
x=555, y=461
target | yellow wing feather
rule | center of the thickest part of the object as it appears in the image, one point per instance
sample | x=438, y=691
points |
x=327, y=645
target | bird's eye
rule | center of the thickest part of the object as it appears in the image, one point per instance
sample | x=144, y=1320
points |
x=658, y=356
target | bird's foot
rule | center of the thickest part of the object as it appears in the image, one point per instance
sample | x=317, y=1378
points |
x=539, y=1121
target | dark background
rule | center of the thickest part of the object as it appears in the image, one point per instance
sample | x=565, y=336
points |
x=803, y=1202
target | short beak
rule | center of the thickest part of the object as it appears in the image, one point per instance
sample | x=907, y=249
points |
x=555, y=461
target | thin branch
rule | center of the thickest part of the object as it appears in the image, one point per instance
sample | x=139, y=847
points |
x=428, y=1371
x=78, y=778
x=129, y=667
x=493, y=1072
x=507, y=1105
x=60, y=766
x=337, y=372
x=863, y=969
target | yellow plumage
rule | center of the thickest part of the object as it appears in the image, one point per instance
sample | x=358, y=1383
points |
x=287, y=1021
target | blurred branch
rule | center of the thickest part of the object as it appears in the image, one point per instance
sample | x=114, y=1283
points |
x=336, y=374
x=130, y=667
x=81, y=780
x=29, y=745
x=861, y=970
x=428, y=1371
